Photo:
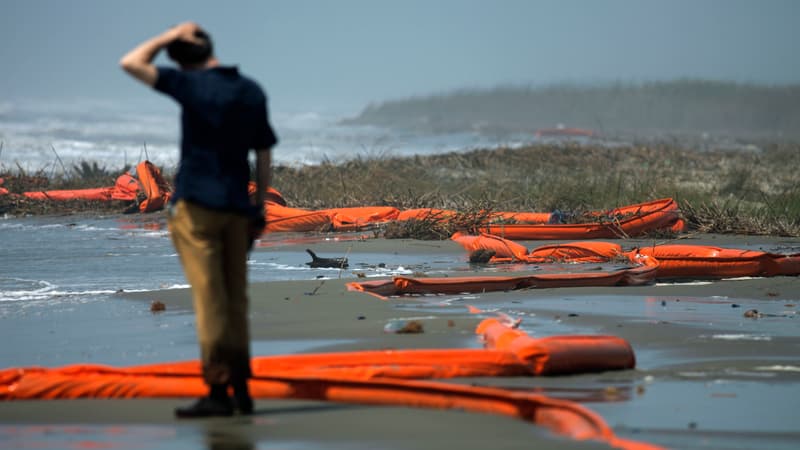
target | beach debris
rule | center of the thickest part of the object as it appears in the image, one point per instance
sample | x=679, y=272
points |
x=361, y=317
x=752, y=314
x=481, y=256
x=509, y=321
x=157, y=306
x=474, y=310
x=611, y=393
x=314, y=291
x=333, y=263
x=403, y=327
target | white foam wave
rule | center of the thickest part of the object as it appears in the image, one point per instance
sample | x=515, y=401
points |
x=385, y=271
x=779, y=368
x=160, y=288
x=153, y=234
x=43, y=291
x=48, y=294
x=684, y=283
x=742, y=337
x=279, y=266
x=84, y=227
x=49, y=291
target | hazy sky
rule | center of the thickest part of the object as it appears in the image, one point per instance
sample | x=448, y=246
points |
x=316, y=54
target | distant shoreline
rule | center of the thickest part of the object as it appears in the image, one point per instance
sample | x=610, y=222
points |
x=686, y=107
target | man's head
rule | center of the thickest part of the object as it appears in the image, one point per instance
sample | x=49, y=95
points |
x=189, y=54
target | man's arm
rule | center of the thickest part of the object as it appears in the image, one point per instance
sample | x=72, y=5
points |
x=263, y=174
x=139, y=61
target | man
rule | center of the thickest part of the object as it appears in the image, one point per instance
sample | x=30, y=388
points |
x=211, y=218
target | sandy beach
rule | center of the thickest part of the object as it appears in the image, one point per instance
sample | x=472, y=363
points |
x=706, y=376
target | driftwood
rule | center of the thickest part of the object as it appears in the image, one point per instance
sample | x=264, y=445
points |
x=335, y=263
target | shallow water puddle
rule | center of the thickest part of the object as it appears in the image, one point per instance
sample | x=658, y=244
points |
x=771, y=318
x=714, y=412
x=88, y=436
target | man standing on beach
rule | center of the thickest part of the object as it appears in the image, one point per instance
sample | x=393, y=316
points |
x=211, y=218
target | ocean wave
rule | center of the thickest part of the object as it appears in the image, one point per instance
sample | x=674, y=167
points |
x=385, y=271
x=683, y=283
x=779, y=368
x=38, y=295
x=115, y=135
x=27, y=290
x=742, y=337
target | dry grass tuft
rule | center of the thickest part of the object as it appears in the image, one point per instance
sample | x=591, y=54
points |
x=752, y=191
x=732, y=218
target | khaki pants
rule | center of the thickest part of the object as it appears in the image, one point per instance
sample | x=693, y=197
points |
x=213, y=246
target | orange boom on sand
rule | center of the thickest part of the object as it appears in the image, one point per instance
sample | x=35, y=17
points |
x=669, y=261
x=703, y=261
x=642, y=272
x=374, y=377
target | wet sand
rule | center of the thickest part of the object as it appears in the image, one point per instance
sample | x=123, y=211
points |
x=706, y=376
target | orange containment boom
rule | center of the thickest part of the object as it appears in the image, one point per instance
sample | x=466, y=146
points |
x=508, y=352
x=156, y=189
x=644, y=272
x=701, y=261
x=560, y=416
x=150, y=186
x=374, y=377
x=95, y=194
x=559, y=355
x=669, y=261
x=621, y=222
x=627, y=221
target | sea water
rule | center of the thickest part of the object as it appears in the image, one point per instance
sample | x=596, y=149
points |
x=54, y=137
x=60, y=277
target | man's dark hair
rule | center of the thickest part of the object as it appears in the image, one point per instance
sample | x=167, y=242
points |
x=189, y=53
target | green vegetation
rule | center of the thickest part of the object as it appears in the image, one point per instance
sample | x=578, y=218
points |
x=684, y=107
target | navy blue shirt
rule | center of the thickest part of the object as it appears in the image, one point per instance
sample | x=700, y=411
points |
x=224, y=116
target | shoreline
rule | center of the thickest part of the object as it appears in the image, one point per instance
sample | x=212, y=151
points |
x=689, y=386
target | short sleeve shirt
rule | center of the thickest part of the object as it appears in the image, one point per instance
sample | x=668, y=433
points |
x=224, y=115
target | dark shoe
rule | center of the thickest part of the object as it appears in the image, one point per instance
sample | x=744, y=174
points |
x=244, y=405
x=206, y=407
